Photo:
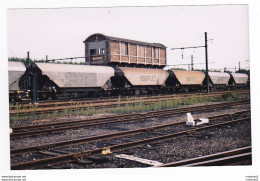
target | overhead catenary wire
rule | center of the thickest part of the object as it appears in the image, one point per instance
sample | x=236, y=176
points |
x=53, y=60
x=206, y=56
x=188, y=64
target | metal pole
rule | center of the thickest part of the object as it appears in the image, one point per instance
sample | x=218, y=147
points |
x=239, y=67
x=191, y=62
x=34, y=88
x=28, y=58
x=206, y=54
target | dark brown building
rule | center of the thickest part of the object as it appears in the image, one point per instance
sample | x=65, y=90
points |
x=106, y=50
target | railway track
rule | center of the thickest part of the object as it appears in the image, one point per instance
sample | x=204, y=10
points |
x=56, y=158
x=51, y=108
x=25, y=131
x=69, y=102
x=231, y=157
x=108, y=136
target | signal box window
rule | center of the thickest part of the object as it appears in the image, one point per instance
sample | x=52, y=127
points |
x=155, y=52
x=140, y=51
x=124, y=48
x=102, y=51
x=93, y=51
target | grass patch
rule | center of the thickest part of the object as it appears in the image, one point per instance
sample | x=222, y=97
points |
x=139, y=105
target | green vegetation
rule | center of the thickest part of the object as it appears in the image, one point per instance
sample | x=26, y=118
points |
x=15, y=59
x=175, y=68
x=67, y=62
x=24, y=60
x=211, y=70
x=139, y=105
x=228, y=96
x=233, y=96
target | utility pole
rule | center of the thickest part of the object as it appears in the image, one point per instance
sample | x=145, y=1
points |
x=34, y=79
x=206, y=54
x=35, y=82
x=206, y=57
x=239, y=67
x=46, y=58
x=191, y=62
x=28, y=58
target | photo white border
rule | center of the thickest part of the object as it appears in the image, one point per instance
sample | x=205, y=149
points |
x=201, y=173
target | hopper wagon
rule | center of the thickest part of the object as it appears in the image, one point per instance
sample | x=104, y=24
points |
x=15, y=71
x=182, y=80
x=238, y=80
x=139, y=80
x=71, y=80
x=218, y=80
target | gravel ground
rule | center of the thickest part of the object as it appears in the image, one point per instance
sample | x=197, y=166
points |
x=111, y=128
x=203, y=143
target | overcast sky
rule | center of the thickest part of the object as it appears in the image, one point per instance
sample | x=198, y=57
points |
x=59, y=33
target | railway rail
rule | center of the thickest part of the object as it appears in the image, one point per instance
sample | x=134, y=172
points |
x=107, y=136
x=57, y=159
x=231, y=157
x=62, y=126
x=69, y=102
x=42, y=109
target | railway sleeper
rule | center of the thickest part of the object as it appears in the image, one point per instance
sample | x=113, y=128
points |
x=59, y=167
x=84, y=162
x=89, y=159
x=98, y=159
x=49, y=153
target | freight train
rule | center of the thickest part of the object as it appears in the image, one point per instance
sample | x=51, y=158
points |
x=114, y=66
x=57, y=80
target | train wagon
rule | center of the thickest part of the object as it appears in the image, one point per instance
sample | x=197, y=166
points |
x=139, y=80
x=182, y=80
x=71, y=80
x=238, y=80
x=15, y=72
x=218, y=80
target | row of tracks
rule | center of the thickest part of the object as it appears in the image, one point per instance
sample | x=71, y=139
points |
x=64, y=102
x=33, y=130
x=108, y=103
x=227, y=158
x=129, y=139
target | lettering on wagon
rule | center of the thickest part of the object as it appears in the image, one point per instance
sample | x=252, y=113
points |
x=146, y=78
x=97, y=58
x=191, y=79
